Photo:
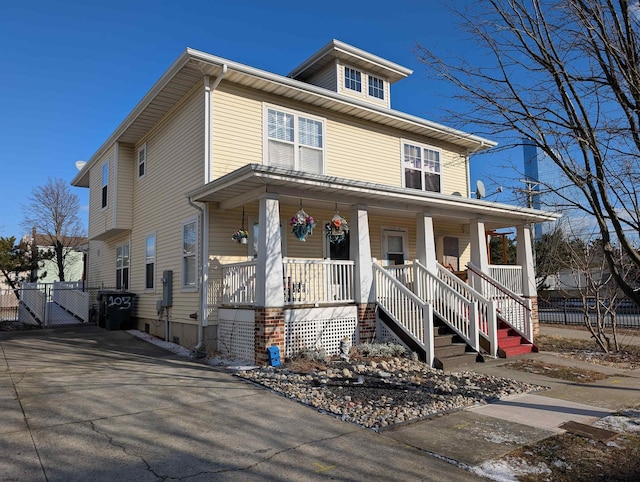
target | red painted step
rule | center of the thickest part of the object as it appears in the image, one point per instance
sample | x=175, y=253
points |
x=507, y=352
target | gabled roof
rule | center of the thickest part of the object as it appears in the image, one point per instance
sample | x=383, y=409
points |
x=353, y=56
x=192, y=65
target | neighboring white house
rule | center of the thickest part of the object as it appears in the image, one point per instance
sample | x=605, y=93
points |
x=74, y=266
x=217, y=147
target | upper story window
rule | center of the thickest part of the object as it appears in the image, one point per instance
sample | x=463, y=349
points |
x=352, y=79
x=142, y=160
x=150, y=262
x=122, y=267
x=189, y=250
x=421, y=167
x=105, y=183
x=376, y=87
x=294, y=141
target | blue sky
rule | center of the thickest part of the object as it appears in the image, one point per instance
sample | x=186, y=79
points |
x=71, y=70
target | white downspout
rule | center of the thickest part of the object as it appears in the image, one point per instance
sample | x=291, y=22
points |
x=203, y=302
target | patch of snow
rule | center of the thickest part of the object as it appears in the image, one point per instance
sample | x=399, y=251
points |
x=180, y=350
x=627, y=422
x=508, y=470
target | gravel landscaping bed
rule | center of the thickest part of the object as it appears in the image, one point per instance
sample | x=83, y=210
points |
x=379, y=393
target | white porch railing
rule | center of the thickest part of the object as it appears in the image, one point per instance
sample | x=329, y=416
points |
x=487, y=323
x=309, y=281
x=69, y=296
x=513, y=309
x=406, y=308
x=507, y=275
x=239, y=283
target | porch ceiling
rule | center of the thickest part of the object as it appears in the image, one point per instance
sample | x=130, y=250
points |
x=252, y=181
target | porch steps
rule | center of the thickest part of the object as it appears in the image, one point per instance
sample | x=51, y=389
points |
x=450, y=351
x=510, y=343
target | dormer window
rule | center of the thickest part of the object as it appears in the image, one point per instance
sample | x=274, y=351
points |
x=376, y=87
x=352, y=79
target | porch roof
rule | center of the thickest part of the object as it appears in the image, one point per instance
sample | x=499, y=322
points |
x=252, y=181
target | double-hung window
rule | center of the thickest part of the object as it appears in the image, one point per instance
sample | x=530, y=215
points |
x=150, y=262
x=376, y=87
x=421, y=167
x=142, y=160
x=105, y=183
x=294, y=141
x=189, y=250
x=122, y=267
x=352, y=79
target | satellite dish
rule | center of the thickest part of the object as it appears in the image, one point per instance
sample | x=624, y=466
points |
x=456, y=193
x=480, y=190
x=80, y=165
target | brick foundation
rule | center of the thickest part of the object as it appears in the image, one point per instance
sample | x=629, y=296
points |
x=534, y=316
x=367, y=322
x=269, y=326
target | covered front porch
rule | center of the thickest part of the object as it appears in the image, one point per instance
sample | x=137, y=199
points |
x=402, y=249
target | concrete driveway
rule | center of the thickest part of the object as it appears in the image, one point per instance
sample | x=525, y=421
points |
x=88, y=404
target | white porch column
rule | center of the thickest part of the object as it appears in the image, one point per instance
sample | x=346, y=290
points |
x=269, y=269
x=360, y=252
x=426, y=242
x=524, y=256
x=479, y=256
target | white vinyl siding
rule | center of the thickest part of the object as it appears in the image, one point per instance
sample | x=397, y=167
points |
x=294, y=140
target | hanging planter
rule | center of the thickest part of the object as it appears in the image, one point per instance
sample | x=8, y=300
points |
x=302, y=224
x=336, y=230
x=241, y=235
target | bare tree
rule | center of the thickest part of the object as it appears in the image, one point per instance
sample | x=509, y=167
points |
x=566, y=75
x=52, y=213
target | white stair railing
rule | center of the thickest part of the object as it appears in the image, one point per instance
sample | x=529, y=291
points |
x=457, y=311
x=487, y=322
x=513, y=309
x=408, y=310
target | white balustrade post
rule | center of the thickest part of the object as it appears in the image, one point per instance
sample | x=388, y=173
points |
x=427, y=320
x=492, y=321
x=269, y=269
x=474, y=329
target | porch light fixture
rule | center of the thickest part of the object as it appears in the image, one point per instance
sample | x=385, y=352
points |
x=302, y=224
x=241, y=235
x=336, y=230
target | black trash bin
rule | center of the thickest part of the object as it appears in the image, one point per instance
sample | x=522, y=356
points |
x=115, y=309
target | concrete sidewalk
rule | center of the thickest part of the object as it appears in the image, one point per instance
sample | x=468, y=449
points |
x=85, y=403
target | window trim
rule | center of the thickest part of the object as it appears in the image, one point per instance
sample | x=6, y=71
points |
x=422, y=146
x=104, y=192
x=363, y=76
x=369, y=87
x=253, y=242
x=123, y=285
x=296, y=134
x=143, y=164
x=151, y=289
x=184, y=286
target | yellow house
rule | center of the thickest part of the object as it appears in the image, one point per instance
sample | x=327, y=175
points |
x=200, y=204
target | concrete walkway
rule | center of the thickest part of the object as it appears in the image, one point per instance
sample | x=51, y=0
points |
x=88, y=404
